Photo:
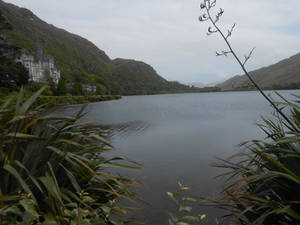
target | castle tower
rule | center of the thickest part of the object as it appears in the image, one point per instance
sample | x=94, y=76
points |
x=43, y=68
x=39, y=52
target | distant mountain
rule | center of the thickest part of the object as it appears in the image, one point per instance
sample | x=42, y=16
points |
x=213, y=84
x=202, y=85
x=79, y=59
x=282, y=75
x=196, y=84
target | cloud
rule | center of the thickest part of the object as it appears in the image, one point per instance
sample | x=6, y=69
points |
x=167, y=34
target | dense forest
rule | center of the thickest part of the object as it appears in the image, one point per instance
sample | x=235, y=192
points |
x=12, y=74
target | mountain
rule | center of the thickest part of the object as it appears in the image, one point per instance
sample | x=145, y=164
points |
x=202, y=85
x=196, y=84
x=79, y=59
x=140, y=78
x=282, y=75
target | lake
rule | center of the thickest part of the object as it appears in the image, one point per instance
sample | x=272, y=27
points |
x=176, y=138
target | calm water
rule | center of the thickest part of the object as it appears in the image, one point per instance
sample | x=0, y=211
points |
x=176, y=138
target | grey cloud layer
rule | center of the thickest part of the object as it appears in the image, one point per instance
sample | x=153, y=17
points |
x=166, y=33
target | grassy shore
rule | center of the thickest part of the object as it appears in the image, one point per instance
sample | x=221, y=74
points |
x=52, y=101
x=69, y=100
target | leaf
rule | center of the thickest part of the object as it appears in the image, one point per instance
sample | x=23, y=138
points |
x=274, y=162
x=101, y=139
x=173, y=218
x=202, y=217
x=117, y=221
x=9, y=197
x=171, y=195
x=85, y=222
x=25, y=136
x=30, y=101
x=87, y=199
x=29, y=206
x=287, y=210
x=106, y=209
x=190, y=218
x=51, y=187
x=185, y=208
x=189, y=199
x=183, y=188
x=119, y=166
x=69, y=142
x=120, y=210
x=16, y=118
x=30, y=176
x=80, y=113
x=13, y=209
x=56, y=117
x=5, y=104
x=15, y=173
x=19, y=101
x=182, y=223
x=170, y=222
x=71, y=178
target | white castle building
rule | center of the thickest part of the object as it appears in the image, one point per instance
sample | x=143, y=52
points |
x=42, y=69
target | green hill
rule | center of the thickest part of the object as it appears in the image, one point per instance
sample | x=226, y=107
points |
x=282, y=75
x=139, y=78
x=79, y=59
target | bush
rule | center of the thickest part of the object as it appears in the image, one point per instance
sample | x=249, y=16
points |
x=265, y=178
x=52, y=169
x=183, y=208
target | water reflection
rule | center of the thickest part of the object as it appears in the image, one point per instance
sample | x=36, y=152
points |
x=177, y=138
x=124, y=130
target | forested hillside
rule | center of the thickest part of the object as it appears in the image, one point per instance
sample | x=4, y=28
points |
x=80, y=60
x=282, y=75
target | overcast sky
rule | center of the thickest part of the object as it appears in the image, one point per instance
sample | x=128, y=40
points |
x=167, y=34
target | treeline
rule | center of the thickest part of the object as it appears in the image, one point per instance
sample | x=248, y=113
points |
x=80, y=61
x=12, y=74
x=291, y=86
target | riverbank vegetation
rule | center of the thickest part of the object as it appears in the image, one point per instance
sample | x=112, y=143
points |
x=51, y=101
x=53, y=170
x=263, y=179
x=70, y=100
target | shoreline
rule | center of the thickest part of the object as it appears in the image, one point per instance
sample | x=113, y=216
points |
x=53, y=101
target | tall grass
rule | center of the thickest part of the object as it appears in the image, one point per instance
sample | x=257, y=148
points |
x=184, y=208
x=264, y=179
x=52, y=169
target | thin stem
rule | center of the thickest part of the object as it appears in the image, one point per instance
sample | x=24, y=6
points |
x=248, y=75
x=178, y=206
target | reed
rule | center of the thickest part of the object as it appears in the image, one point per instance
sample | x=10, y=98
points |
x=53, y=171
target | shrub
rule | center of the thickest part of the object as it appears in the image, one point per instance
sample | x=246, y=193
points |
x=183, y=208
x=264, y=179
x=52, y=169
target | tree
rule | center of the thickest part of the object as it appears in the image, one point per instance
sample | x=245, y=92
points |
x=61, y=88
x=101, y=90
x=52, y=85
x=4, y=25
x=77, y=89
x=12, y=74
